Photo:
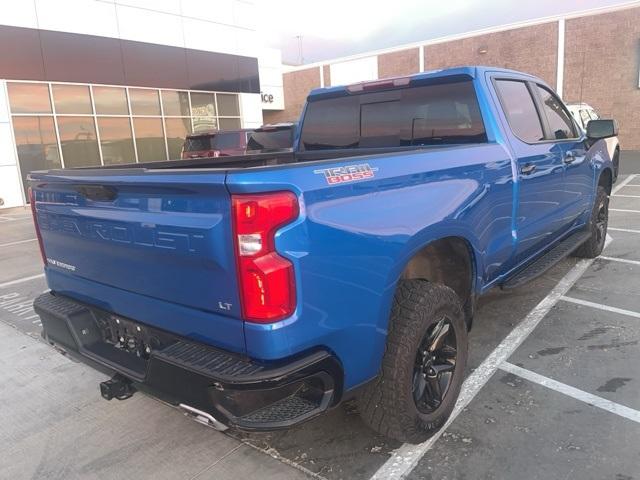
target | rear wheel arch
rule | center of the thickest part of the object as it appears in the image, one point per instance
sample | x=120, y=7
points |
x=449, y=261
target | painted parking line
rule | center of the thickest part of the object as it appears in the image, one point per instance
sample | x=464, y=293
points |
x=623, y=210
x=405, y=458
x=621, y=260
x=625, y=196
x=599, y=402
x=628, y=230
x=18, y=242
x=20, y=280
x=600, y=306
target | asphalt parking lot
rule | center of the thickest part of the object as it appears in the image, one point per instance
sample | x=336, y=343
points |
x=552, y=391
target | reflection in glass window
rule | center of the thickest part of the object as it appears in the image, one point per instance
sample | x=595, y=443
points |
x=116, y=140
x=202, y=124
x=203, y=104
x=78, y=141
x=149, y=139
x=74, y=99
x=110, y=101
x=144, y=101
x=177, y=130
x=29, y=97
x=36, y=145
x=228, y=105
x=175, y=104
x=520, y=110
x=559, y=119
x=229, y=123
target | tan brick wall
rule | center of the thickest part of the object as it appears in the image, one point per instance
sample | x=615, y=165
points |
x=296, y=88
x=395, y=64
x=609, y=46
x=531, y=49
x=326, y=74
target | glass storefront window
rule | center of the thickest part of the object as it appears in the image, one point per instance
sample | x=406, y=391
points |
x=110, y=101
x=149, y=139
x=201, y=124
x=175, y=104
x=228, y=105
x=116, y=140
x=144, y=101
x=36, y=144
x=203, y=104
x=229, y=123
x=78, y=141
x=73, y=99
x=177, y=130
x=29, y=97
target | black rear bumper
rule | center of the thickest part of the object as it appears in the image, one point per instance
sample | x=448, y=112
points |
x=235, y=390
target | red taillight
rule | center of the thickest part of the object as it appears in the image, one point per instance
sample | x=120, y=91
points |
x=32, y=202
x=267, y=283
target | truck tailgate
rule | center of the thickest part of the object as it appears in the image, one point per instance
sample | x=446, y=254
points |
x=161, y=235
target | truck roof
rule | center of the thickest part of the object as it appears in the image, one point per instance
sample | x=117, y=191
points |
x=471, y=71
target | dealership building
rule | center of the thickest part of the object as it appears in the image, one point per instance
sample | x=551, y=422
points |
x=104, y=82
x=591, y=56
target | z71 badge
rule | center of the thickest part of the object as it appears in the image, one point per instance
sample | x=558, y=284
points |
x=349, y=173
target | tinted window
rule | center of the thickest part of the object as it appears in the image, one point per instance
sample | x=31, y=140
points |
x=520, y=110
x=73, y=99
x=175, y=103
x=149, y=139
x=144, y=102
x=229, y=123
x=116, y=140
x=110, y=100
x=560, y=123
x=228, y=105
x=197, y=144
x=429, y=115
x=29, y=97
x=36, y=144
x=225, y=141
x=177, y=130
x=270, y=139
x=203, y=104
x=79, y=142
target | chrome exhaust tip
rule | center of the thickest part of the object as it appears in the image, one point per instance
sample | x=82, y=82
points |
x=204, y=418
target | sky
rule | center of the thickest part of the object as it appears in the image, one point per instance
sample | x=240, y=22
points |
x=310, y=31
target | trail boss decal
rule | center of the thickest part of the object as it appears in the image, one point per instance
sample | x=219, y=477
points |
x=350, y=173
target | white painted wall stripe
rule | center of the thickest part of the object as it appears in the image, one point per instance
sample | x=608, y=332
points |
x=560, y=58
x=586, y=397
x=600, y=306
x=21, y=280
x=421, y=57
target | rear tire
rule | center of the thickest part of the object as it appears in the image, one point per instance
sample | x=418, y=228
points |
x=423, y=365
x=598, y=227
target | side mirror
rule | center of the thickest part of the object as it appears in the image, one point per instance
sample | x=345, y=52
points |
x=597, y=129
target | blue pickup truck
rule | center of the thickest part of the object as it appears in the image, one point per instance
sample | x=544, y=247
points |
x=259, y=291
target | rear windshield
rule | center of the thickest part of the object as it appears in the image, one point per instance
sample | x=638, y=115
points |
x=218, y=141
x=270, y=139
x=427, y=115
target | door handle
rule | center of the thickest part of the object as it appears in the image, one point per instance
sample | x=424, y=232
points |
x=570, y=157
x=528, y=169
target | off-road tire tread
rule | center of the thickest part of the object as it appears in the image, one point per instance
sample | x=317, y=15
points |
x=590, y=248
x=382, y=404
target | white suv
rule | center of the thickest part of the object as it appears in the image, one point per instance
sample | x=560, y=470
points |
x=583, y=113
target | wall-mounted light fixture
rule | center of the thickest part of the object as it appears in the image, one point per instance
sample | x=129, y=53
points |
x=483, y=49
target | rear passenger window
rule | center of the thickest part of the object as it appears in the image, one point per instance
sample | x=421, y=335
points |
x=520, y=110
x=560, y=122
